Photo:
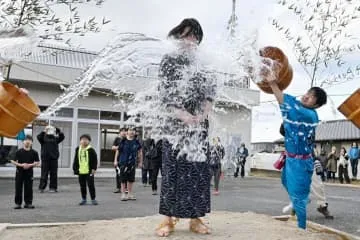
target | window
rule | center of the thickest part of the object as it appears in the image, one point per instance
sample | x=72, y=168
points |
x=107, y=115
x=65, y=112
x=88, y=114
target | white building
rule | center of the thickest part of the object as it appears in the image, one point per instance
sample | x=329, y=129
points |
x=48, y=67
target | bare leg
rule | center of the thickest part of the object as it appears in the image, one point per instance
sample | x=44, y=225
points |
x=129, y=187
x=123, y=187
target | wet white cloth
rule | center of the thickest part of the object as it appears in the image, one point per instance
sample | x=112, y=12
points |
x=317, y=190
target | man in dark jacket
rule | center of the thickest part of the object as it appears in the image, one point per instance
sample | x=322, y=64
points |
x=147, y=168
x=155, y=162
x=49, y=139
x=241, y=154
x=85, y=165
x=115, y=146
x=217, y=153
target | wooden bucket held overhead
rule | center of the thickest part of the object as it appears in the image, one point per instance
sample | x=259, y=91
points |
x=285, y=73
x=17, y=110
x=351, y=108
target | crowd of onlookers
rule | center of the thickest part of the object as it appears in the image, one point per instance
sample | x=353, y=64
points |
x=130, y=152
x=327, y=164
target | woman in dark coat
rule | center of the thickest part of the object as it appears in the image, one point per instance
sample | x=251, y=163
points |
x=187, y=96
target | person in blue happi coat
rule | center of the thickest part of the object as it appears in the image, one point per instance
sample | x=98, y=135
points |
x=300, y=120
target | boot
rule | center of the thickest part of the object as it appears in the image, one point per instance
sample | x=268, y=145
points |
x=325, y=211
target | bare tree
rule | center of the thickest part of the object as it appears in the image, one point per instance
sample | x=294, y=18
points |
x=43, y=16
x=323, y=42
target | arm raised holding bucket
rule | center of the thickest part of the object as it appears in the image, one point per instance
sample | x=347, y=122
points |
x=300, y=120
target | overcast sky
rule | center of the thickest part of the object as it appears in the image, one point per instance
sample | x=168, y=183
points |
x=157, y=17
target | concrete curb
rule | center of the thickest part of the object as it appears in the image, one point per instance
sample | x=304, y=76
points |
x=342, y=185
x=321, y=228
x=3, y=227
x=33, y=225
x=326, y=183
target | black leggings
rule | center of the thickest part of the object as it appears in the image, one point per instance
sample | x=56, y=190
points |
x=155, y=174
x=331, y=175
x=89, y=180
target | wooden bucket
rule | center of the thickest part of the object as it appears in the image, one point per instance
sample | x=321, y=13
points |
x=17, y=110
x=286, y=71
x=351, y=108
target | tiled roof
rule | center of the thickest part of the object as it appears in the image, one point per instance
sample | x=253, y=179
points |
x=334, y=130
x=337, y=130
x=61, y=56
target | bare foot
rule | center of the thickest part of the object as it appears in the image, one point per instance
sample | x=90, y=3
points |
x=166, y=227
x=197, y=226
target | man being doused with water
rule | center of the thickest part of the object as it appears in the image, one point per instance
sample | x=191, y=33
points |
x=300, y=120
x=187, y=96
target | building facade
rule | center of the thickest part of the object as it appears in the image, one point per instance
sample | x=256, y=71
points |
x=99, y=114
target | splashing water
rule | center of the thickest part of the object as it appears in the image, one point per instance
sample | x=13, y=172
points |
x=332, y=107
x=130, y=64
x=15, y=44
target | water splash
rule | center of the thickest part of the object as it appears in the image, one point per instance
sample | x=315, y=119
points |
x=130, y=64
x=332, y=107
x=15, y=44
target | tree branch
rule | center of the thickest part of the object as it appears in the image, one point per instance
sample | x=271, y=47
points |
x=21, y=15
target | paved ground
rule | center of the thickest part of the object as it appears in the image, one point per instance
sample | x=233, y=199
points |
x=252, y=194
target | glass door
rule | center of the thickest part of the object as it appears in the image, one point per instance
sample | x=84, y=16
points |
x=108, y=134
x=93, y=130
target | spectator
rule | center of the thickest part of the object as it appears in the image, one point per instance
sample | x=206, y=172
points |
x=147, y=168
x=156, y=162
x=241, y=154
x=343, y=166
x=49, y=139
x=217, y=153
x=332, y=163
x=85, y=165
x=323, y=160
x=125, y=158
x=25, y=159
x=118, y=139
x=354, y=154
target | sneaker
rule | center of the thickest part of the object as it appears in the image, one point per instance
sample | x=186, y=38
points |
x=94, y=202
x=145, y=185
x=29, y=206
x=124, y=197
x=52, y=191
x=216, y=193
x=325, y=211
x=41, y=190
x=117, y=190
x=17, y=206
x=154, y=193
x=287, y=208
x=131, y=197
x=83, y=202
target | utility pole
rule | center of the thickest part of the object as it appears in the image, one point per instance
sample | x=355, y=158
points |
x=232, y=23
